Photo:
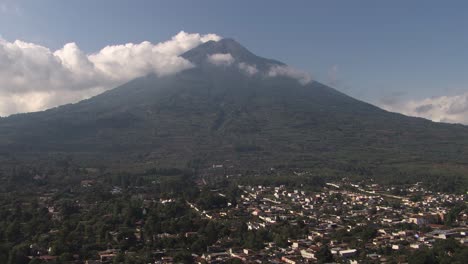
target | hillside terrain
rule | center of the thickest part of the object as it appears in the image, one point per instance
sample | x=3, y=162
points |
x=219, y=114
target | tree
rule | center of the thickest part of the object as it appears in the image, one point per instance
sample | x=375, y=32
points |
x=199, y=245
x=422, y=257
x=18, y=255
x=183, y=257
x=120, y=258
x=13, y=232
x=451, y=217
x=324, y=255
x=35, y=261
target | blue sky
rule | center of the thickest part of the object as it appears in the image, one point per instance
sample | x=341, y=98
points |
x=374, y=50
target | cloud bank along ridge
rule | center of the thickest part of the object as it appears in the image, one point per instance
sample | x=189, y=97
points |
x=448, y=109
x=33, y=78
x=226, y=59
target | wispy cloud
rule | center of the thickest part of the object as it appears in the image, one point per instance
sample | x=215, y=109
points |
x=221, y=59
x=333, y=76
x=392, y=99
x=288, y=71
x=247, y=68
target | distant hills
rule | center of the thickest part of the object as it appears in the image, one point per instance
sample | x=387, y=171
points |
x=241, y=114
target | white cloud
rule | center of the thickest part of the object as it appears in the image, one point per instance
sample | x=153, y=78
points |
x=247, y=68
x=32, y=77
x=288, y=71
x=221, y=59
x=449, y=109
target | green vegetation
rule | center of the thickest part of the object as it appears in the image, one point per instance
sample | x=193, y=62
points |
x=76, y=219
x=444, y=251
x=217, y=115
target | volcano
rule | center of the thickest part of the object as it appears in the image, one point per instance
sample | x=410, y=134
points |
x=238, y=109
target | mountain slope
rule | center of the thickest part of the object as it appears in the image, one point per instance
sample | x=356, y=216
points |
x=213, y=113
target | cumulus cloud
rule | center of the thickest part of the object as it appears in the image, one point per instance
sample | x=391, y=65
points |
x=32, y=77
x=221, y=59
x=288, y=71
x=448, y=109
x=247, y=68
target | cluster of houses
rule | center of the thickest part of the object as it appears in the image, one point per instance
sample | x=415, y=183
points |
x=343, y=206
x=401, y=223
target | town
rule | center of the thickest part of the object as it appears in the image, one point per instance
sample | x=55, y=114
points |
x=175, y=220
